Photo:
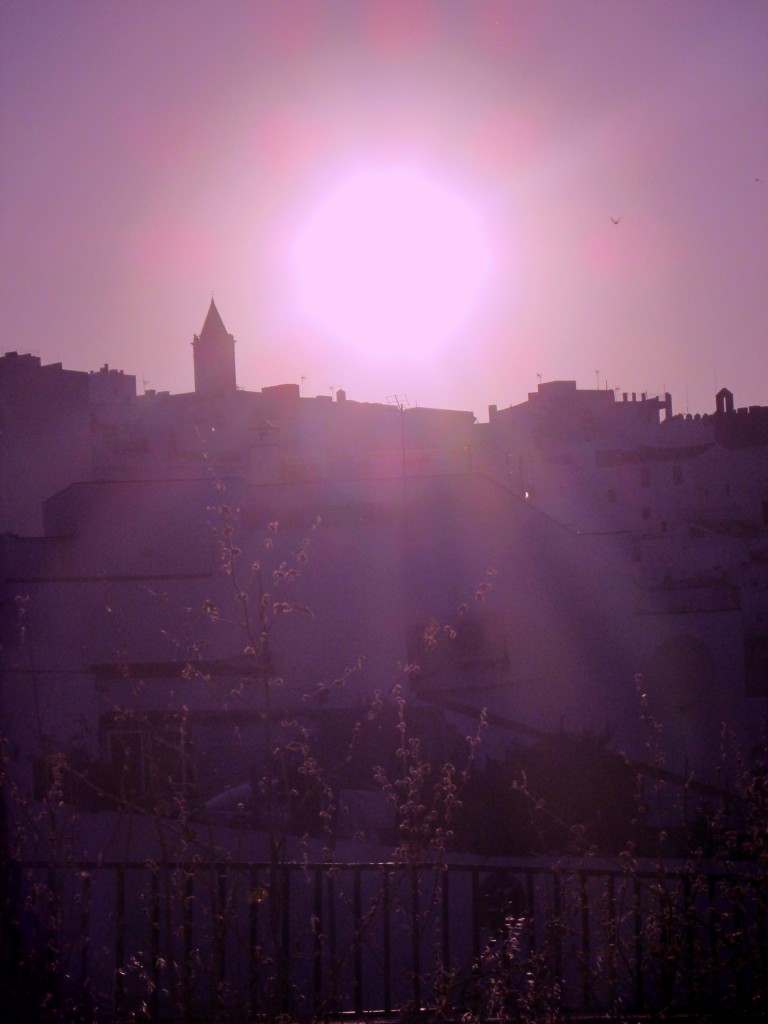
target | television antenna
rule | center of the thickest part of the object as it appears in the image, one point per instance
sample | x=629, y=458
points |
x=401, y=401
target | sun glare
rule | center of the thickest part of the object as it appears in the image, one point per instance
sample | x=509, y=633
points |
x=392, y=262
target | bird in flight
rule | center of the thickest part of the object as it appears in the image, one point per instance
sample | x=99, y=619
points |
x=615, y=220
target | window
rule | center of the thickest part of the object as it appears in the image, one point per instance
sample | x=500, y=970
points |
x=147, y=756
x=126, y=761
x=756, y=665
x=677, y=474
x=611, y=495
x=646, y=513
x=470, y=651
x=645, y=476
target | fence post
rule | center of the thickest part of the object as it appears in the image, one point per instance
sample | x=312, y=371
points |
x=119, y=990
x=385, y=909
x=187, y=966
x=415, y=938
x=317, y=940
x=357, y=913
x=154, y=942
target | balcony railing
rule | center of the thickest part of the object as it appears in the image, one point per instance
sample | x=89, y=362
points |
x=251, y=941
x=672, y=599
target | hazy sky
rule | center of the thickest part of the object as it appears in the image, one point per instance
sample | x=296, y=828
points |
x=154, y=153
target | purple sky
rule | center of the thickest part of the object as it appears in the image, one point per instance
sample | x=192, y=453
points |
x=153, y=153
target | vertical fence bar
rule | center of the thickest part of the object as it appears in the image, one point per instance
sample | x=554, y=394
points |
x=254, y=956
x=638, y=930
x=332, y=943
x=85, y=934
x=530, y=896
x=613, y=937
x=714, y=994
x=475, y=913
x=385, y=910
x=53, y=947
x=119, y=990
x=357, y=914
x=283, y=956
x=557, y=925
x=445, y=920
x=187, y=966
x=736, y=896
x=690, y=964
x=415, y=938
x=758, y=897
x=154, y=944
x=586, y=945
x=317, y=941
x=221, y=937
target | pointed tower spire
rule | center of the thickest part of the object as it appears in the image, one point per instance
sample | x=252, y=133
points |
x=213, y=325
x=213, y=353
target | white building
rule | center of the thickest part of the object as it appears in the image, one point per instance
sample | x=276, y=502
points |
x=560, y=557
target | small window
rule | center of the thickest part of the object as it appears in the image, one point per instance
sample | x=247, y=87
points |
x=677, y=474
x=466, y=653
x=611, y=495
x=126, y=761
x=645, y=476
x=756, y=665
x=646, y=513
x=148, y=756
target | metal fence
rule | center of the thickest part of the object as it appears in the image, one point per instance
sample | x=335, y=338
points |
x=246, y=941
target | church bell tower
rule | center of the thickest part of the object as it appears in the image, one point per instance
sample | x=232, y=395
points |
x=213, y=353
